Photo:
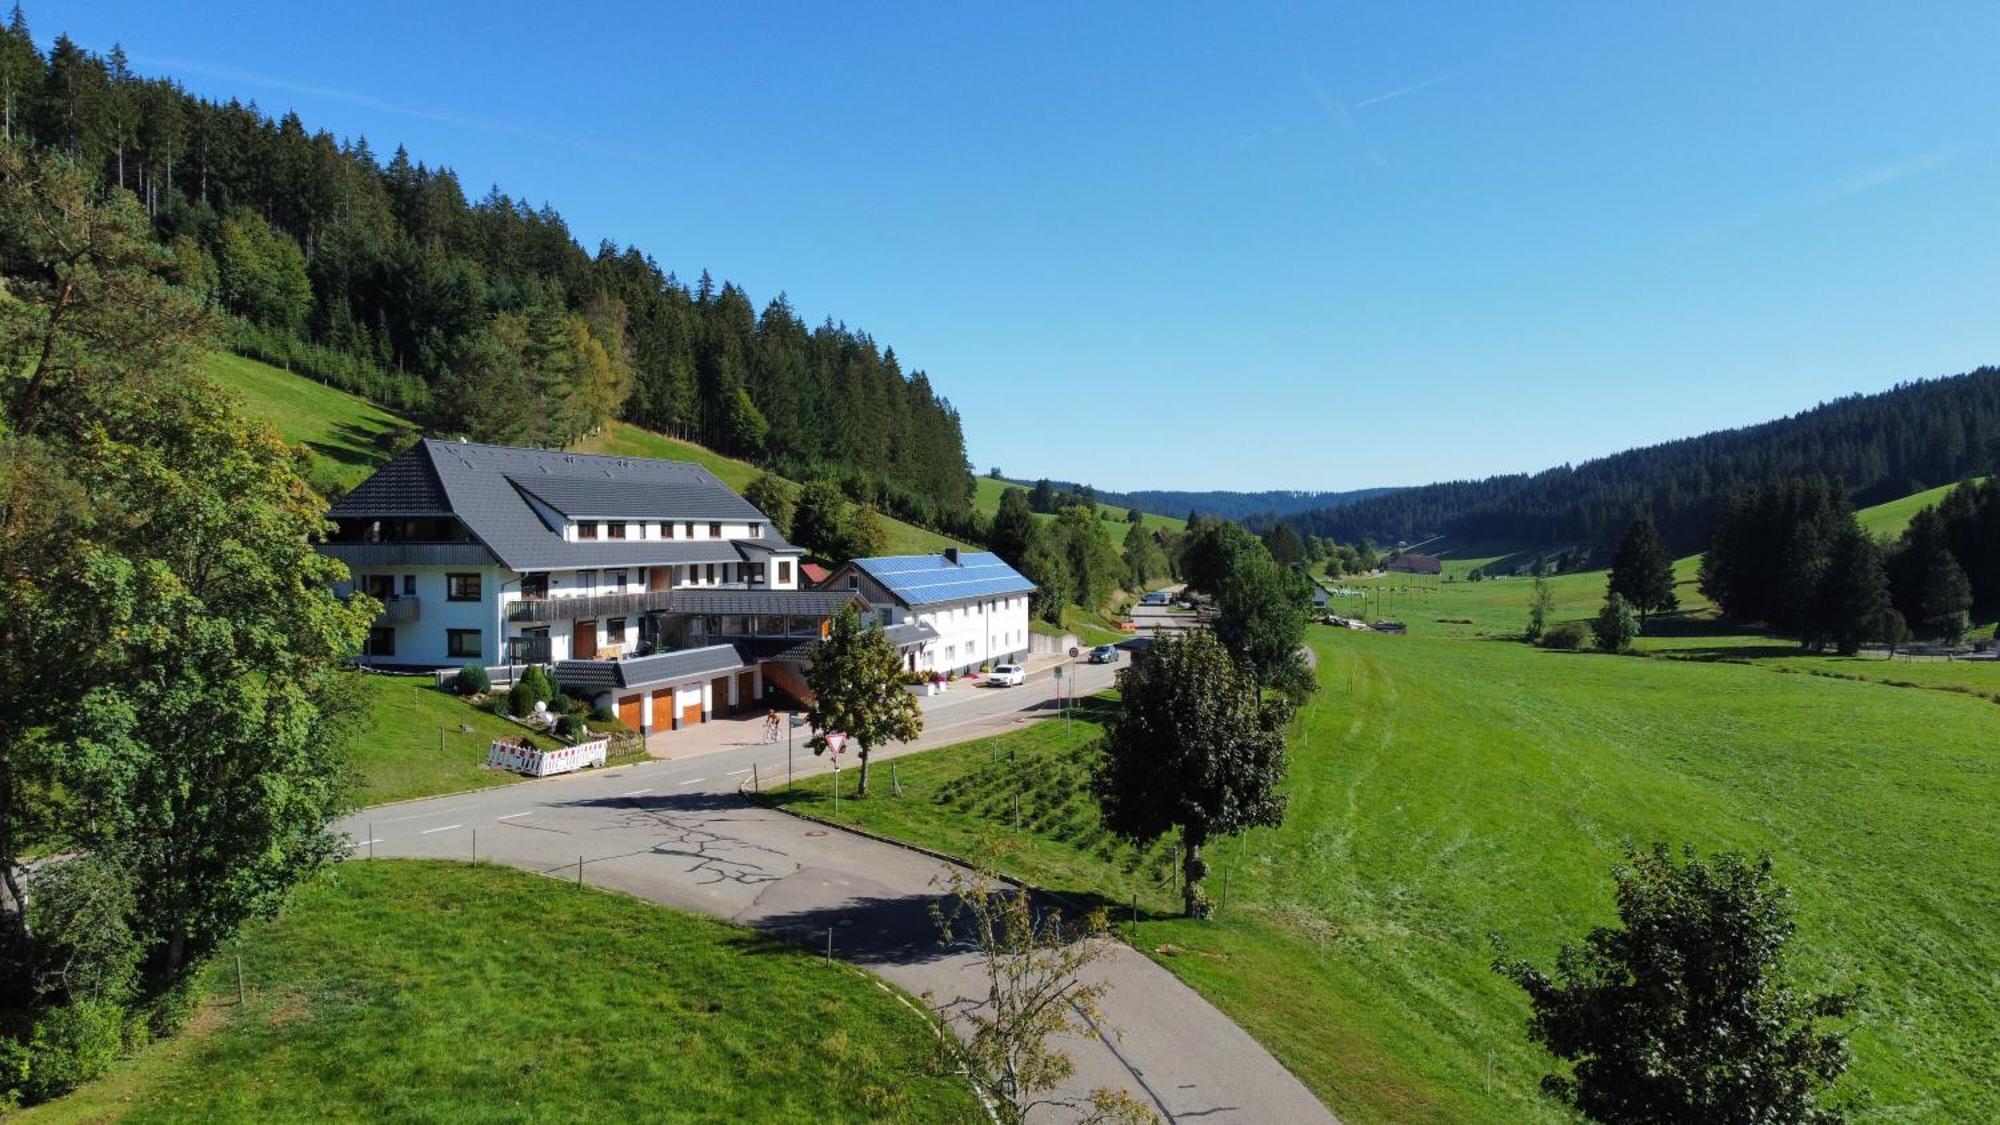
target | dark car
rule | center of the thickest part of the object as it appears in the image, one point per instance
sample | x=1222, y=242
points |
x=1104, y=654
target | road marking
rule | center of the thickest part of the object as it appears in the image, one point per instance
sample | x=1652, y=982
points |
x=636, y=792
x=737, y=773
x=424, y=815
x=446, y=828
x=365, y=843
x=694, y=781
x=512, y=815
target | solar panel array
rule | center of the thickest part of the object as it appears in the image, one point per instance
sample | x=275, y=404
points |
x=929, y=579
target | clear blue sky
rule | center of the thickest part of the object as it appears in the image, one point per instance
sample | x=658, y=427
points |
x=1218, y=246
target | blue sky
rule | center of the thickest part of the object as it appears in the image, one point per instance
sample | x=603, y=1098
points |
x=1230, y=246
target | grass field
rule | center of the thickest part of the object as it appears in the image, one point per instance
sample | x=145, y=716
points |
x=345, y=434
x=986, y=498
x=442, y=992
x=1887, y=521
x=1443, y=788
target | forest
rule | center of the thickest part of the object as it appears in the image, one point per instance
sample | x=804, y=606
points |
x=483, y=316
x=1917, y=435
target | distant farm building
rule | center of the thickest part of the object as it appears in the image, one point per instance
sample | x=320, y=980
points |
x=1413, y=564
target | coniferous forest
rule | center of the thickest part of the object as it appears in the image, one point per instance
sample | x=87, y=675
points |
x=477, y=316
x=1877, y=447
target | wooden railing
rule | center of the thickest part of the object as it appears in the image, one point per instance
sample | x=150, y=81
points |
x=584, y=606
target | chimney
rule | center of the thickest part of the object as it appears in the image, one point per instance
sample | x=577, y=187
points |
x=951, y=555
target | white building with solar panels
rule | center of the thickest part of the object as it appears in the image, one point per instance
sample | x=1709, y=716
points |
x=953, y=612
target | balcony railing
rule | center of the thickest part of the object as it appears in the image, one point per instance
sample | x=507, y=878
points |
x=584, y=606
x=399, y=610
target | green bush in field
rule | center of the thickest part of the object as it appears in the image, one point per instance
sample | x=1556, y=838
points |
x=471, y=680
x=1615, y=626
x=1568, y=636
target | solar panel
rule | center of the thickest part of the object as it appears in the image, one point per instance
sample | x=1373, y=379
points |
x=922, y=579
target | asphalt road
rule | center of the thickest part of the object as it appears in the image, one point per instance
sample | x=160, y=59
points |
x=678, y=833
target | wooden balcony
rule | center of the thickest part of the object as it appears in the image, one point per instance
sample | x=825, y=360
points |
x=582, y=607
x=399, y=610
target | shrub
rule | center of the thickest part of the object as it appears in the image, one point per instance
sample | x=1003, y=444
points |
x=1615, y=625
x=67, y=1046
x=498, y=704
x=1567, y=636
x=570, y=727
x=603, y=715
x=471, y=680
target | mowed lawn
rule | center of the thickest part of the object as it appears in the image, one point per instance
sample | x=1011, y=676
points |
x=1443, y=789
x=413, y=741
x=345, y=434
x=400, y=990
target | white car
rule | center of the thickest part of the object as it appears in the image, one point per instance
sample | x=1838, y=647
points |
x=1007, y=675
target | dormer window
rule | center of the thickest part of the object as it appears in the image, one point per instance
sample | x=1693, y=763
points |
x=715, y=531
x=756, y=531
x=615, y=529
x=586, y=530
x=690, y=529
x=667, y=530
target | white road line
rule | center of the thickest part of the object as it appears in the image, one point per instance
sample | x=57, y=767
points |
x=424, y=815
x=446, y=828
x=694, y=781
x=636, y=792
x=738, y=773
x=513, y=815
x=365, y=843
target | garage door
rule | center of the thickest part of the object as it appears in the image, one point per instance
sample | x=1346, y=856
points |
x=691, y=714
x=663, y=708
x=718, y=696
x=629, y=712
x=746, y=690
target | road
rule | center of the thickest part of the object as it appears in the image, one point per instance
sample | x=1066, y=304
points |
x=678, y=833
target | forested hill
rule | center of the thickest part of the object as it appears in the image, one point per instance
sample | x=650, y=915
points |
x=477, y=316
x=1047, y=495
x=1878, y=446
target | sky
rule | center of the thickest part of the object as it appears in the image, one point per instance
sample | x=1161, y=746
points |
x=1230, y=246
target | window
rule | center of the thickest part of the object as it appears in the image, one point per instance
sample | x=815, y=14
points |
x=381, y=641
x=461, y=587
x=715, y=531
x=667, y=530
x=586, y=530
x=854, y=581
x=615, y=529
x=618, y=580
x=690, y=529
x=585, y=581
x=535, y=586
x=614, y=631
x=409, y=585
x=756, y=531
x=463, y=644
x=784, y=573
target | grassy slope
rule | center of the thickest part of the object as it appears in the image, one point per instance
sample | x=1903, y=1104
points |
x=1442, y=789
x=411, y=744
x=986, y=498
x=401, y=990
x=343, y=432
x=1887, y=521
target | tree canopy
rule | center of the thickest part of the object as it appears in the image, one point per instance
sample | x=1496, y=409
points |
x=857, y=684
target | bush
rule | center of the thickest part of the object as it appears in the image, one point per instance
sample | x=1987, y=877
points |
x=1567, y=636
x=1615, y=625
x=498, y=704
x=603, y=715
x=68, y=1046
x=471, y=680
x=521, y=698
x=541, y=687
x=570, y=727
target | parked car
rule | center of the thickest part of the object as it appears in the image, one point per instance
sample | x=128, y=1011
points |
x=1104, y=654
x=1007, y=675
x=1157, y=597
x=1185, y=604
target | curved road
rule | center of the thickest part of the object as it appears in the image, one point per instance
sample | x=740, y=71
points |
x=677, y=833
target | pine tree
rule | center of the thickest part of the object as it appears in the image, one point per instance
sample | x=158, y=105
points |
x=1642, y=572
x=1947, y=600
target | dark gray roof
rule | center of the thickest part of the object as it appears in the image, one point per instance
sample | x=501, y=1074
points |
x=607, y=675
x=600, y=495
x=405, y=487
x=796, y=650
x=920, y=580
x=478, y=484
x=909, y=633
x=796, y=603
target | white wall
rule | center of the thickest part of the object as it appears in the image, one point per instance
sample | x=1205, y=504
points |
x=423, y=642
x=972, y=633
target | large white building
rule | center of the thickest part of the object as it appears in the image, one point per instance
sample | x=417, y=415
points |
x=648, y=584
x=949, y=613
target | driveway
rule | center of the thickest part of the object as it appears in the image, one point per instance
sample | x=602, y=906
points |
x=677, y=833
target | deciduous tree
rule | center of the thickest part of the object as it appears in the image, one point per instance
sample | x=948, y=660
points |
x=857, y=684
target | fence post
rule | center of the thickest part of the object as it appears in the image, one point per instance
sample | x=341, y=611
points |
x=756, y=786
x=371, y=839
x=579, y=872
x=241, y=999
x=475, y=845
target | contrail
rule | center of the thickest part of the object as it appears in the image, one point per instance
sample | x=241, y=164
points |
x=1410, y=89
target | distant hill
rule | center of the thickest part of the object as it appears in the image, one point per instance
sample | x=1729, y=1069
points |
x=1176, y=505
x=1882, y=446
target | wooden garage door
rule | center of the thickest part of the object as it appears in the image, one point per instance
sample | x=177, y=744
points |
x=629, y=712
x=663, y=708
x=718, y=696
x=691, y=714
x=746, y=689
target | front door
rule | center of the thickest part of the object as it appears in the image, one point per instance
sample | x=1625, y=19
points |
x=583, y=644
x=658, y=577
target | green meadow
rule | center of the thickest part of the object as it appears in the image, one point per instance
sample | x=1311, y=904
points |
x=1444, y=788
x=400, y=990
x=986, y=498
